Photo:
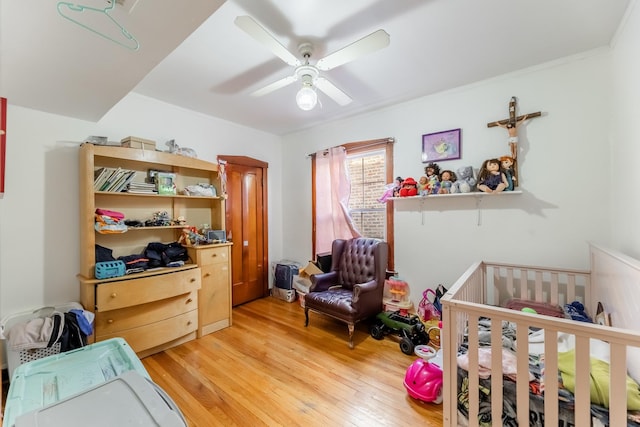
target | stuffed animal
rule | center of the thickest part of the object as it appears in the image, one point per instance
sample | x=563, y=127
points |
x=466, y=182
x=409, y=188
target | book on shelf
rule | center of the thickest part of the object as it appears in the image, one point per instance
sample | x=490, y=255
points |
x=141, y=188
x=112, y=179
x=100, y=177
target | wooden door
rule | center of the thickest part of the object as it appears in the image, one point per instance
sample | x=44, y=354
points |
x=246, y=222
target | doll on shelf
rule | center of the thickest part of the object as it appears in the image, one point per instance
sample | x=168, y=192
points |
x=491, y=179
x=423, y=186
x=409, y=188
x=432, y=170
x=391, y=190
x=447, y=178
x=508, y=167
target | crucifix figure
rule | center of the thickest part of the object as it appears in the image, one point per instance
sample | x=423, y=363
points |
x=511, y=125
x=510, y=163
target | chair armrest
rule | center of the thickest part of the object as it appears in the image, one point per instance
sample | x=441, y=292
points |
x=362, y=288
x=322, y=282
x=364, y=294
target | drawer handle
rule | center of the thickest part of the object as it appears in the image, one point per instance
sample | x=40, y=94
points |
x=113, y=295
x=189, y=300
x=193, y=279
x=189, y=323
x=207, y=274
x=110, y=321
x=214, y=255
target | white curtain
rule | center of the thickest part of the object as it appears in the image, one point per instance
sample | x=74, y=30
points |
x=332, y=199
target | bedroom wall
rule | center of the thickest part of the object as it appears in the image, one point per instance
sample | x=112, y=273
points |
x=39, y=212
x=625, y=134
x=564, y=172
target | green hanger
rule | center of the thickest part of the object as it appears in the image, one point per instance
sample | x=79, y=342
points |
x=127, y=40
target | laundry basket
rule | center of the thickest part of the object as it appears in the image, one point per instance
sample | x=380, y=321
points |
x=17, y=358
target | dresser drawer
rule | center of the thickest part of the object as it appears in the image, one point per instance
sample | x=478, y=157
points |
x=127, y=293
x=112, y=321
x=213, y=255
x=158, y=333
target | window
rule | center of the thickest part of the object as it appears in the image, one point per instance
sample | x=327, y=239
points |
x=370, y=166
x=368, y=178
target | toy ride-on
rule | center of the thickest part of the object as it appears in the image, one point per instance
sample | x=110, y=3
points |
x=423, y=379
x=408, y=327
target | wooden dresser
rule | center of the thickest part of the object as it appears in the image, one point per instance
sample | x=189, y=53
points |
x=151, y=313
x=214, y=299
x=157, y=308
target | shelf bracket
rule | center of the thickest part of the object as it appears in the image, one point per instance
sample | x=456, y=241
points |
x=479, y=213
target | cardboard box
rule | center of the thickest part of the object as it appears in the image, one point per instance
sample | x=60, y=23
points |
x=309, y=270
x=135, y=142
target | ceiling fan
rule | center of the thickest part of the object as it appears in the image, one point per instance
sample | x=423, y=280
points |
x=307, y=73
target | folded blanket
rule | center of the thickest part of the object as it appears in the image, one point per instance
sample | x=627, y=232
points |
x=599, y=381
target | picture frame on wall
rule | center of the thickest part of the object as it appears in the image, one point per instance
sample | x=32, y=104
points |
x=440, y=146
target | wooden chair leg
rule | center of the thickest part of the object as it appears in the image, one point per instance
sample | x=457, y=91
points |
x=351, y=327
x=306, y=317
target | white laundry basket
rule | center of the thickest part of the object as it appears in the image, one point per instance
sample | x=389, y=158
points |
x=17, y=358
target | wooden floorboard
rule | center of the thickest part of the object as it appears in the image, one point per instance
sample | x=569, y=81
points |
x=267, y=369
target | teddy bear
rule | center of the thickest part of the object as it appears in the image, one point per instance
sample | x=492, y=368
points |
x=409, y=188
x=466, y=182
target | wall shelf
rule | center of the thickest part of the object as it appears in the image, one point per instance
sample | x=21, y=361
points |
x=478, y=195
x=447, y=196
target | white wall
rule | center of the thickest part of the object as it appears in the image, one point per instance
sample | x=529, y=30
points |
x=625, y=153
x=563, y=167
x=39, y=237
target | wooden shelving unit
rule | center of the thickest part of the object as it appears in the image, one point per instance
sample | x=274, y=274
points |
x=158, y=308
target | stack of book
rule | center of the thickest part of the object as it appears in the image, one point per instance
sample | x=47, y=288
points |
x=141, y=188
x=112, y=179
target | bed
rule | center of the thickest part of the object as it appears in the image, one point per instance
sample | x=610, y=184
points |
x=478, y=298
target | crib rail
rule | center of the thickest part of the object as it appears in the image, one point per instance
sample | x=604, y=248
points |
x=479, y=293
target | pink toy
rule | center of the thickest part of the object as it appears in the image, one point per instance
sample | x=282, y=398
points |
x=423, y=379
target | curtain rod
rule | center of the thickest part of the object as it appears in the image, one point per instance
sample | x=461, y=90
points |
x=364, y=144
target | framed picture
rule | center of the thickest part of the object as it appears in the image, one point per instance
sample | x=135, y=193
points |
x=440, y=146
x=166, y=183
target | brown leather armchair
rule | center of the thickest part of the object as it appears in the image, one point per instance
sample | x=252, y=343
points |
x=352, y=290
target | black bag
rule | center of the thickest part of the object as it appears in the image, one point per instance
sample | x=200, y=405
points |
x=440, y=291
x=161, y=254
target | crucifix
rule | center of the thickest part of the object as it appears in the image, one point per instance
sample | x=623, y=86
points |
x=512, y=124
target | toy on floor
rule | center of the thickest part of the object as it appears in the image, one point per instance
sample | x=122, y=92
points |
x=424, y=378
x=408, y=327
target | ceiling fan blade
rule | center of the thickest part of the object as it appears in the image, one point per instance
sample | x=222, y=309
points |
x=332, y=91
x=374, y=41
x=259, y=33
x=274, y=86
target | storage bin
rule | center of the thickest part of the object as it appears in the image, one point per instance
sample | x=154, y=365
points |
x=16, y=358
x=109, y=269
x=127, y=400
x=43, y=382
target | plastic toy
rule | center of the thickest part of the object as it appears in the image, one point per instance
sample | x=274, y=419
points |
x=408, y=327
x=423, y=379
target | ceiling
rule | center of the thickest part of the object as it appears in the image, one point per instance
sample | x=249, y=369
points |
x=191, y=54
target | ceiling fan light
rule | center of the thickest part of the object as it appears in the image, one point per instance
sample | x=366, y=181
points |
x=306, y=98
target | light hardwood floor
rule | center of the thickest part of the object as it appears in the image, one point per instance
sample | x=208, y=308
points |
x=269, y=370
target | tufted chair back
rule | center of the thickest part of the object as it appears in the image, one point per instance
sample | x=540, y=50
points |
x=352, y=290
x=357, y=262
